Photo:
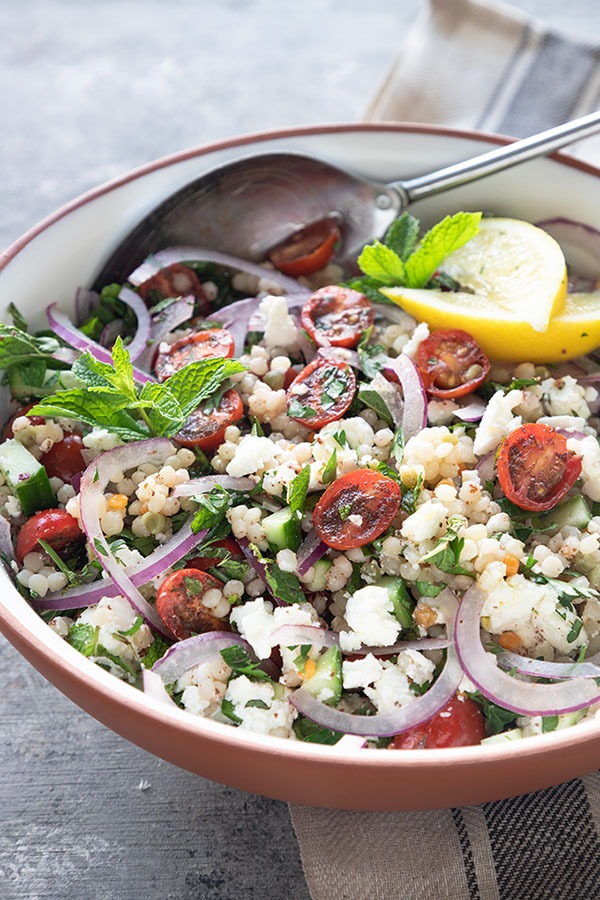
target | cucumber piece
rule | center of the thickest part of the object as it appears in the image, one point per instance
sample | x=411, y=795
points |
x=318, y=582
x=573, y=511
x=403, y=604
x=513, y=735
x=326, y=683
x=283, y=530
x=26, y=477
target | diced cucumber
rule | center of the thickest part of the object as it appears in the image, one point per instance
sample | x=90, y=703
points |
x=318, y=582
x=573, y=511
x=283, y=530
x=26, y=477
x=326, y=683
x=513, y=735
x=402, y=601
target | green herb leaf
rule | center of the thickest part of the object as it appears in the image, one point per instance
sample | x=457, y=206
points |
x=104, y=410
x=446, y=553
x=284, y=585
x=496, y=716
x=372, y=399
x=199, y=380
x=212, y=509
x=442, y=240
x=155, y=651
x=17, y=319
x=426, y=589
x=162, y=409
x=311, y=733
x=298, y=489
x=242, y=663
x=17, y=348
x=549, y=723
x=410, y=496
x=84, y=638
x=402, y=235
x=330, y=469
x=298, y=411
x=228, y=710
x=382, y=263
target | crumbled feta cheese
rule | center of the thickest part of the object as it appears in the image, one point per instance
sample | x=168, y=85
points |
x=254, y=621
x=565, y=397
x=589, y=450
x=497, y=421
x=99, y=439
x=391, y=690
x=369, y=615
x=203, y=687
x=112, y=616
x=533, y=612
x=276, y=719
x=420, y=334
x=415, y=666
x=253, y=453
x=360, y=673
x=425, y=523
x=441, y=412
x=280, y=329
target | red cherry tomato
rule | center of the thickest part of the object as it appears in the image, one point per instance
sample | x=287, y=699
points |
x=308, y=250
x=535, y=468
x=65, y=458
x=8, y=432
x=321, y=393
x=198, y=345
x=451, y=363
x=338, y=314
x=356, y=508
x=180, y=607
x=177, y=280
x=55, y=526
x=459, y=724
x=207, y=430
x=205, y=562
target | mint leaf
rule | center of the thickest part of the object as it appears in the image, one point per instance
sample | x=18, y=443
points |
x=228, y=710
x=17, y=318
x=242, y=663
x=84, y=638
x=284, y=585
x=496, y=716
x=212, y=509
x=442, y=240
x=163, y=410
x=374, y=400
x=97, y=375
x=298, y=489
x=155, y=651
x=19, y=349
x=330, y=469
x=380, y=262
x=311, y=733
x=103, y=409
x=402, y=235
x=198, y=380
x=397, y=450
x=426, y=589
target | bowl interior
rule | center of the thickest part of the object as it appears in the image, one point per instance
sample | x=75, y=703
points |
x=66, y=251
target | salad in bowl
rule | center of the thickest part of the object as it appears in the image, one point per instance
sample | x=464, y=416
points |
x=351, y=507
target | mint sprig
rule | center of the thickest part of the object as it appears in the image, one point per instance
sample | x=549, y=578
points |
x=399, y=260
x=109, y=397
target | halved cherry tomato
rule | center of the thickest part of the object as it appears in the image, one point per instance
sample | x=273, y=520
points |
x=535, y=468
x=338, y=314
x=205, y=562
x=177, y=280
x=65, y=458
x=34, y=420
x=180, y=607
x=451, y=363
x=321, y=393
x=308, y=250
x=459, y=724
x=356, y=508
x=197, y=345
x=207, y=430
x=55, y=526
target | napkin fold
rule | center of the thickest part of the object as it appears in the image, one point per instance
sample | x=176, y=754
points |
x=487, y=66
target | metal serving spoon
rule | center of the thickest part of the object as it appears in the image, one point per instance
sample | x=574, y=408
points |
x=248, y=206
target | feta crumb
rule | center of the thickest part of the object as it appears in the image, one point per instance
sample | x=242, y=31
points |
x=280, y=330
x=425, y=522
x=369, y=615
x=497, y=421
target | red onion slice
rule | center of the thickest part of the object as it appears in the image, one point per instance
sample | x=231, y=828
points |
x=295, y=635
x=472, y=411
x=65, y=329
x=162, y=324
x=540, y=668
x=403, y=369
x=207, y=482
x=386, y=724
x=172, y=255
x=7, y=551
x=154, y=564
x=310, y=551
x=486, y=467
x=236, y=319
x=85, y=302
x=154, y=686
x=522, y=697
x=184, y=655
x=111, y=332
x=142, y=333
x=93, y=484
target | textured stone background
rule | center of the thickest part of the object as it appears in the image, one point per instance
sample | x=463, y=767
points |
x=88, y=90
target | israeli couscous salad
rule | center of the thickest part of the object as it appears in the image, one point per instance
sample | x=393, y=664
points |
x=325, y=505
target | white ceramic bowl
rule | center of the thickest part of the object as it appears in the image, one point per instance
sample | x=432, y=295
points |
x=66, y=250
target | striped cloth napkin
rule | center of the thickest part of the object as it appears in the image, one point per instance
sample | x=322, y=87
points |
x=511, y=75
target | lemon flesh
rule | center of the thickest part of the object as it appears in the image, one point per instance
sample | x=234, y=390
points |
x=515, y=267
x=574, y=332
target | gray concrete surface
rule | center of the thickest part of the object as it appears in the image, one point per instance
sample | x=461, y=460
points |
x=88, y=90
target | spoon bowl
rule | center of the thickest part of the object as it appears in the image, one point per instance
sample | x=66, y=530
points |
x=248, y=206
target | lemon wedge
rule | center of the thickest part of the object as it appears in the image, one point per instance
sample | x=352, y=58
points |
x=515, y=278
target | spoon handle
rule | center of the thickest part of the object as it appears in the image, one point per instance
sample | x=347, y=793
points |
x=495, y=160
